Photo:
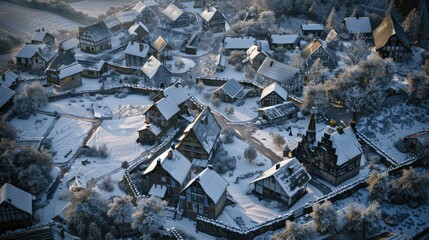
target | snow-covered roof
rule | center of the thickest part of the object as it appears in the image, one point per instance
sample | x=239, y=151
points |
x=232, y=88
x=346, y=144
x=136, y=26
x=178, y=166
x=279, y=110
x=91, y=63
x=69, y=44
x=157, y=190
x=137, y=49
x=139, y=7
x=167, y=107
x=8, y=78
x=209, y=12
x=70, y=70
x=176, y=93
x=126, y=16
x=387, y=28
x=254, y=51
x=172, y=12
x=65, y=65
x=151, y=67
x=278, y=71
x=422, y=137
x=160, y=44
x=112, y=21
x=314, y=46
x=284, y=38
x=274, y=87
x=312, y=27
x=211, y=182
x=206, y=129
x=238, y=42
x=331, y=36
x=5, y=94
x=98, y=31
x=152, y=128
x=17, y=198
x=39, y=35
x=357, y=25
x=29, y=50
x=290, y=175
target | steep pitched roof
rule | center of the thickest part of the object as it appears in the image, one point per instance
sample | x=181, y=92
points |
x=206, y=129
x=136, y=26
x=331, y=36
x=17, y=198
x=313, y=47
x=176, y=93
x=357, y=25
x=211, y=182
x=98, y=31
x=387, y=28
x=238, y=42
x=254, y=51
x=137, y=49
x=112, y=21
x=126, y=16
x=5, y=94
x=209, y=13
x=284, y=38
x=279, y=110
x=178, y=166
x=167, y=107
x=289, y=173
x=65, y=65
x=278, y=71
x=346, y=144
x=312, y=27
x=139, y=7
x=274, y=87
x=422, y=137
x=69, y=44
x=9, y=78
x=91, y=64
x=29, y=50
x=151, y=67
x=232, y=88
x=39, y=35
x=172, y=12
x=160, y=44
x=152, y=128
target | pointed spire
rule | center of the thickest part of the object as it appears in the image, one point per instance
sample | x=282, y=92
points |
x=311, y=130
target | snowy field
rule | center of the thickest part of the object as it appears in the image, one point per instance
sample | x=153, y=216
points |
x=67, y=135
x=392, y=124
x=95, y=8
x=81, y=106
x=35, y=126
x=188, y=63
x=250, y=208
x=22, y=21
x=119, y=136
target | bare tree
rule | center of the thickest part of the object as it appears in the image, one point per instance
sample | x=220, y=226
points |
x=377, y=185
x=361, y=220
x=295, y=231
x=250, y=154
x=324, y=216
x=229, y=110
x=216, y=102
x=278, y=140
x=412, y=186
x=149, y=215
x=412, y=25
x=228, y=135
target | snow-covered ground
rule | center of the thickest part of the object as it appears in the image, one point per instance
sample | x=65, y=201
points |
x=95, y=8
x=250, y=208
x=81, y=106
x=392, y=124
x=67, y=136
x=188, y=63
x=35, y=126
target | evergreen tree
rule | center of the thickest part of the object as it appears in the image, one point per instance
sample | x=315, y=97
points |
x=330, y=22
x=412, y=25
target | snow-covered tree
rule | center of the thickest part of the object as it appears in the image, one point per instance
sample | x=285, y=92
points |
x=149, y=216
x=120, y=209
x=330, y=21
x=31, y=98
x=266, y=19
x=426, y=67
x=236, y=57
x=412, y=25
x=418, y=85
x=223, y=163
x=424, y=27
x=109, y=236
x=315, y=97
x=363, y=220
x=324, y=217
x=377, y=185
x=249, y=72
x=228, y=135
x=216, y=102
x=411, y=186
x=94, y=232
x=278, y=140
x=200, y=86
x=357, y=51
x=229, y=110
x=317, y=72
x=7, y=131
x=295, y=231
x=250, y=154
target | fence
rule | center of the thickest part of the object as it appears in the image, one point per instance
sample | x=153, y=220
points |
x=218, y=81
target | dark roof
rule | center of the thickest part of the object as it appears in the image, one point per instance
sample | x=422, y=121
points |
x=98, y=31
x=387, y=28
x=5, y=94
x=422, y=137
x=314, y=46
x=63, y=59
x=278, y=71
x=279, y=110
x=232, y=88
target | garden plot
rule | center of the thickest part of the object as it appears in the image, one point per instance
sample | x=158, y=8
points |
x=26, y=20
x=243, y=112
x=67, y=136
x=95, y=8
x=35, y=126
x=119, y=136
x=394, y=123
x=250, y=209
x=82, y=106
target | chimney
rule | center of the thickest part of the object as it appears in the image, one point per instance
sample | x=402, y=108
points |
x=170, y=154
x=271, y=63
x=209, y=166
x=3, y=77
x=43, y=29
x=357, y=16
x=340, y=130
x=132, y=42
x=332, y=123
x=277, y=166
x=141, y=46
x=173, y=146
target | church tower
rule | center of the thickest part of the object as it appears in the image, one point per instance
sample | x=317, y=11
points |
x=310, y=135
